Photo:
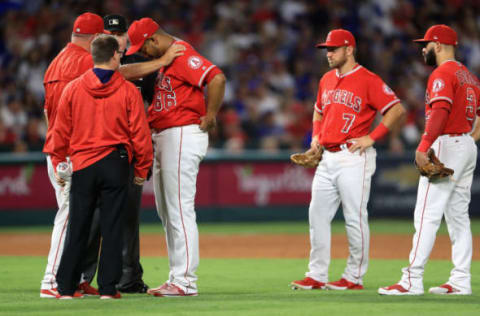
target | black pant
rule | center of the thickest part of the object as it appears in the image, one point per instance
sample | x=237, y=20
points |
x=132, y=271
x=106, y=181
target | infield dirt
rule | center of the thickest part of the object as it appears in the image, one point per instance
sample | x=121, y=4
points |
x=382, y=246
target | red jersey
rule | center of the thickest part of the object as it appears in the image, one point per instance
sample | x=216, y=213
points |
x=94, y=117
x=69, y=64
x=179, y=99
x=349, y=103
x=453, y=83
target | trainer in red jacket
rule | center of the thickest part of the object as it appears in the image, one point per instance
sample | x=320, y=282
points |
x=102, y=126
x=103, y=115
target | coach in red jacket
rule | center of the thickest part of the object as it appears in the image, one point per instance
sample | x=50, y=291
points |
x=101, y=124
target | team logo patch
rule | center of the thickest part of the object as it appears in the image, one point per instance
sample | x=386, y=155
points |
x=195, y=62
x=387, y=90
x=438, y=85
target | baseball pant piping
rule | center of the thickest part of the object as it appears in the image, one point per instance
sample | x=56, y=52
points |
x=458, y=153
x=175, y=173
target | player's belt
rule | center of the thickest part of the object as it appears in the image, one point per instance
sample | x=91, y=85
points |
x=336, y=148
x=456, y=134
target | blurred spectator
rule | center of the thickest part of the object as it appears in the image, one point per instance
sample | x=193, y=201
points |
x=266, y=49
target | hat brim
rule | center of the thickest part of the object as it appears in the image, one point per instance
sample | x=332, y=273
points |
x=134, y=48
x=118, y=30
x=325, y=45
x=421, y=40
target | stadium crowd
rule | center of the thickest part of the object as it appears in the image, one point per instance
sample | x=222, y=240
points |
x=265, y=48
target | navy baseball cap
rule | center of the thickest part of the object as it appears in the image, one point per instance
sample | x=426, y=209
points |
x=115, y=23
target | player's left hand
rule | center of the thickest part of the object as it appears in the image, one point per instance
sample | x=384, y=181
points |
x=421, y=159
x=360, y=143
x=208, y=122
x=138, y=181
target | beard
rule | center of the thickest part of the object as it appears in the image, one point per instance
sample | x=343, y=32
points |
x=338, y=63
x=430, y=58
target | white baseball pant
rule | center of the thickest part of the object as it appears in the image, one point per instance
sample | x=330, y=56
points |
x=178, y=153
x=449, y=197
x=59, y=229
x=341, y=177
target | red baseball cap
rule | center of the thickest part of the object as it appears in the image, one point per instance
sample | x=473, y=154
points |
x=338, y=38
x=439, y=33
x=138, y=32
x=88, y=23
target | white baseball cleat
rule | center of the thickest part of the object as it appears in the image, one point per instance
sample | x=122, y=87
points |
x=447, y=289
x=396, y=289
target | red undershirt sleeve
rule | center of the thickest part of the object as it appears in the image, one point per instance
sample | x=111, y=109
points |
x=434, y=125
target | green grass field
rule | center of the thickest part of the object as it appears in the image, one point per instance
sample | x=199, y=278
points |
x=246, y=286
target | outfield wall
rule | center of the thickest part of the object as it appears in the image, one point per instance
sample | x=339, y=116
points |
x=251, y=186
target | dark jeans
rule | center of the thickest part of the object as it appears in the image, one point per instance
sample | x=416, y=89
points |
x=132, y=272
x=132, y=269
x=105, y=181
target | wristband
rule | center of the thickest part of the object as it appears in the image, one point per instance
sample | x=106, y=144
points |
x=379, y=132
x=424, y=145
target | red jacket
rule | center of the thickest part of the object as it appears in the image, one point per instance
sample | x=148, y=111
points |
x=94, y=117
x=72, y=62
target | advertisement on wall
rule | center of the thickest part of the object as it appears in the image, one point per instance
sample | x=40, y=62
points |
x=239, y=184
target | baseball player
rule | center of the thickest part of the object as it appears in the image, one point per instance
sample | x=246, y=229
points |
x=451, y=103
x=69, y=64
x=349, y=96
x=180, y=118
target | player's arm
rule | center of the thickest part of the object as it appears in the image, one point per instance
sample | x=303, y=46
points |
x=46, y=117
x=138, y=70
x=316, y=132
x=476, y=129
x=61, y=133
x=395, y=115
x=215, y=93
x=433, y=128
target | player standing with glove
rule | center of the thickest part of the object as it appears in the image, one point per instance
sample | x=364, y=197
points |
x=349, y=97
x=451, y=105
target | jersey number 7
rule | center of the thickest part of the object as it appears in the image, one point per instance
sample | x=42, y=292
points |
x=349, y=119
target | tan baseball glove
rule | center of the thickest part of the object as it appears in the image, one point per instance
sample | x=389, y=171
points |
x=435, y=169
x=309, y=159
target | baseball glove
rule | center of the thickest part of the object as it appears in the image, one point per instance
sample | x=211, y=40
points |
x=308, y=159
x=435, y=169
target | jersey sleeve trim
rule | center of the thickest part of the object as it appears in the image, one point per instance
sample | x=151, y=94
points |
x=389, y=105
x=441, y=98
x=204, y=75
x=317, y=108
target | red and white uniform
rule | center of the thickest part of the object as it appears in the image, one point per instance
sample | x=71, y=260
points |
x=179, y=98
x=454, y=88
x=180, y=146
x=68, y=65
x=348, y=103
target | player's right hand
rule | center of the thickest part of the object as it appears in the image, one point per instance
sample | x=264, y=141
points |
x=61, y=182
x=172, y=52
